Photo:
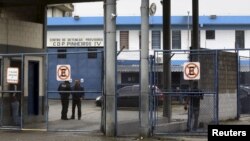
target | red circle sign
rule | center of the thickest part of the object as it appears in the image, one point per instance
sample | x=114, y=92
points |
x=63, y=72
x=191, y=70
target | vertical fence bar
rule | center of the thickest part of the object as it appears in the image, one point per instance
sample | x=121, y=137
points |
x=151, y=93
x=216, y=114
x=1, y=98
x=46, y=92
x=22, y=89
x=238, y=83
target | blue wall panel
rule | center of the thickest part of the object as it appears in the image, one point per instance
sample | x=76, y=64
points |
x=90, y=69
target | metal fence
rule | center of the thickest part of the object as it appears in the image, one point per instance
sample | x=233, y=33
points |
x=191, y=110
x=128, y=93
x=244, y=83
x=11, y=94
x=223, y=82
x=30, y=98
x=87, y=67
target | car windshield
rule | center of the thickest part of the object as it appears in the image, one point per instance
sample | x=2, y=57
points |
x=134, y=90
x=129, y=90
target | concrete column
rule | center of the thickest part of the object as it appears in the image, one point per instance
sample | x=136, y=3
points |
x=110, y=63
x=6, y=108
x=144, y=69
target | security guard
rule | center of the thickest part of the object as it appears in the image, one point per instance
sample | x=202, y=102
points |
x=64, y=91
x=77, y=98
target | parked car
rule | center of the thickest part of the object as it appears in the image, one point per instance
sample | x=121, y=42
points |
x=128, y=96
x=244, y=99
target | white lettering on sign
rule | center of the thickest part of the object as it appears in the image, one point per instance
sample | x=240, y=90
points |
x=63, y=73
x=75, y=42
x=191, y=71
x=12, y=75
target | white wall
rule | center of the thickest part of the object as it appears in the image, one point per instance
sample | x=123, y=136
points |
x=224, y=39
x=84, y=35
x=49, y=12
x=57, y=12
x=133, y=40
x=247, y=39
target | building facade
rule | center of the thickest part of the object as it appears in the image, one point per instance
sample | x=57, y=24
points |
x=216, y=32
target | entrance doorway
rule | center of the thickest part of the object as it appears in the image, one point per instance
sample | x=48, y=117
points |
x=33, y=88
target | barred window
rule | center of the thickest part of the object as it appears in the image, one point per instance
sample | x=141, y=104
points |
x=210, y=34
x=239, y=39
x=92, y=53
x=156, y=39
x=176, y=39
x=124, y=39
x=61, y=53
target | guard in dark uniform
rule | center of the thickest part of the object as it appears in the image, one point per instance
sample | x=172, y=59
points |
x=63, y=88
x=77, y=96
x=194, y=107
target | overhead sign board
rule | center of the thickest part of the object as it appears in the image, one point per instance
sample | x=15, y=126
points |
x=75, y=42
x=191, y=70
x=12, y=75
x=63, y=73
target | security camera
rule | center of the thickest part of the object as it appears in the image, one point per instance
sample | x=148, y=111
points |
x=113, y=16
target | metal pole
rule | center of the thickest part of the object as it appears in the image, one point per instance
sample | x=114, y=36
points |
x=167, y=109
x=195, y=35
x=188, y=29
x=144, y=70
x=110, y=56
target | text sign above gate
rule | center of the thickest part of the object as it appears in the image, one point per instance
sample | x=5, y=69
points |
x=191, y=70
x=63, y=73
x=12, y=75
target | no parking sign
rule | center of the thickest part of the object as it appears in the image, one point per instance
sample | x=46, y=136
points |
x=191, y=71
x=63, y=73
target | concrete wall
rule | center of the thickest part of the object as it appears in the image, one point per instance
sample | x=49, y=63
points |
x=21, y=34
x=19, y=13
x=227, y=86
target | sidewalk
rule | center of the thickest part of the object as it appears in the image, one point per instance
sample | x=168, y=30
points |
x=76, y=136
x=11, y=135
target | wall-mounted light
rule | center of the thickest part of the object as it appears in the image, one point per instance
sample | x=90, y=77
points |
x=213, y=16
x=113, y=15
x=76, y=17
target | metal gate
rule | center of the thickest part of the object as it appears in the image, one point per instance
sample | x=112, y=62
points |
x=84, y=65
x=244, y=83
x=22, y=97
x=128, y=93
x=190, y=110
x=11, y=91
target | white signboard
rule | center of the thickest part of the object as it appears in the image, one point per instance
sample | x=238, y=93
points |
x=12, y=75
x=75, y=42
x=63, y=73
x=191, y=71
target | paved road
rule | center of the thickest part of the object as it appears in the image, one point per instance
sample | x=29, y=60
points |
x=74, y=136
x=91, y=124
